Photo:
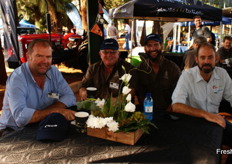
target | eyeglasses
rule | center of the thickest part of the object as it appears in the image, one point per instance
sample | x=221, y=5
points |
x=109, y=52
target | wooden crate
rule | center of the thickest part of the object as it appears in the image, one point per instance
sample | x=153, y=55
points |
x=129, y=138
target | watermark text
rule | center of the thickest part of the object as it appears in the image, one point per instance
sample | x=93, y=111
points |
x=221, y=151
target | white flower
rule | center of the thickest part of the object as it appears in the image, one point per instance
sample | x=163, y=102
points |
x=95, y=122
x=91, y=121
x=126, y=78
x=100, y=122
x=130, y=107
x=108, y=119
x=125, y=90
x=100, y=103
x=113, y=126
x=128, y=97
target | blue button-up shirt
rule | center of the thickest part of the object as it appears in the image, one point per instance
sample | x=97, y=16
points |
x=194, y=91
x=23, y=96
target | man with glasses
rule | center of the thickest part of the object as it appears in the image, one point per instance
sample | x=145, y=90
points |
x=104, y=75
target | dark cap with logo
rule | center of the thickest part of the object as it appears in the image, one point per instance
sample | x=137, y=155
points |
x=53, y=127
x=154, y=37
x=109, y=44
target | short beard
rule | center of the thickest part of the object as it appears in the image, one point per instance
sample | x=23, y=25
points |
x=206, y=70
x=156, y=58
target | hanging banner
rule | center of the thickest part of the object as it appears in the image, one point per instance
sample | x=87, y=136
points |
x=97, y=30
x=9, y=19
x=74, y=15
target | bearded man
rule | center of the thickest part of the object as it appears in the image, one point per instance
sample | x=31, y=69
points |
x=156, y=74
x=200, y=90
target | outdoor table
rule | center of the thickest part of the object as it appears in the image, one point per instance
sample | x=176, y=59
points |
x=177, y=140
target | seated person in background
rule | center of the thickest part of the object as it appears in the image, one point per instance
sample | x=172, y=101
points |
x=105, y=74
x=200, y=90
x=35, y=90
x=189, y=55
x=225, y=52
x=156, y=74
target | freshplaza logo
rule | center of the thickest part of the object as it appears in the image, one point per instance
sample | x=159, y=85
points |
x=220, y=151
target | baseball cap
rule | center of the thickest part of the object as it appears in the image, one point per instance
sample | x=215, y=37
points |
x=109, y=44
x=154, y=37
x=53, y=127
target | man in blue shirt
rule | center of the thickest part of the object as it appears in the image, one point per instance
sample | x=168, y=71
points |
x=35, y=90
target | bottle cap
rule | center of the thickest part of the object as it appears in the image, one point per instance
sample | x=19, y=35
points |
x=148, y=94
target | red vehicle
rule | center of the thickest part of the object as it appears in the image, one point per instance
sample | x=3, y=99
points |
x=24, y=40
x=75, y=57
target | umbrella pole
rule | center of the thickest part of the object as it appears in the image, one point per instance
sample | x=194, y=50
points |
x=189, y=31
x=174, y=39
x=132, y=38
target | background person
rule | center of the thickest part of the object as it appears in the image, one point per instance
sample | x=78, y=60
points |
x=200, y=90
x=225, y=52
x=156, y=74
x=127, y=32
x=201, y=30
x=189, y=55
x=35, y=90
x=104, y=75
x=112, y=31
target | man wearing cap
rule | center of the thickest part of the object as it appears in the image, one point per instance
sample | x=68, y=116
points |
x=104, y=75
x=35, y=90
x=156, y=74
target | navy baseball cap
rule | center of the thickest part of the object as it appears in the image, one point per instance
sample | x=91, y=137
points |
x=53, y=127
x=154, y=37
x=109, y=44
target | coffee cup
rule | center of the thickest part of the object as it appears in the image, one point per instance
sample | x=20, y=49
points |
x=91, y=92
x=81, y=117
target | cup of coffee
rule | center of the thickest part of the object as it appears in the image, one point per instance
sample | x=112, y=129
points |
x=91, y=92
x=81, y=117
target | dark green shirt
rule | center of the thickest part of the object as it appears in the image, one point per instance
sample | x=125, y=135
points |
x=106, y=86
x=224, y=53
x=161, y=85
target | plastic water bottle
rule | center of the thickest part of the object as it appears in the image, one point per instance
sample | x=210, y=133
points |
x=148, y=106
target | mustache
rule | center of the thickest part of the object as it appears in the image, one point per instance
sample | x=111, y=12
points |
x=207, y=65
x=157, y=51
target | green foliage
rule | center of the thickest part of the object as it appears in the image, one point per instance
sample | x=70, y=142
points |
x=112, y=4
x=128, y=121
x=88, y=104
x=34, y=10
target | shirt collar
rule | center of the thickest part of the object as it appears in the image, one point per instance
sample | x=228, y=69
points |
x=199, y=77
x=48, y=73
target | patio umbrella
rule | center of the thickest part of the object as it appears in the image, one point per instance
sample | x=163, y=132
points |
x=165, y=10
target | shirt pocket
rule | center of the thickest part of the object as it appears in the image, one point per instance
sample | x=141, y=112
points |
x=215, y=96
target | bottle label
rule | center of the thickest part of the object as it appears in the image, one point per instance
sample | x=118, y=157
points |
x=149, y=109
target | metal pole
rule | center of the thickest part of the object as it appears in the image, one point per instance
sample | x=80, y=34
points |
x=48, y=20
